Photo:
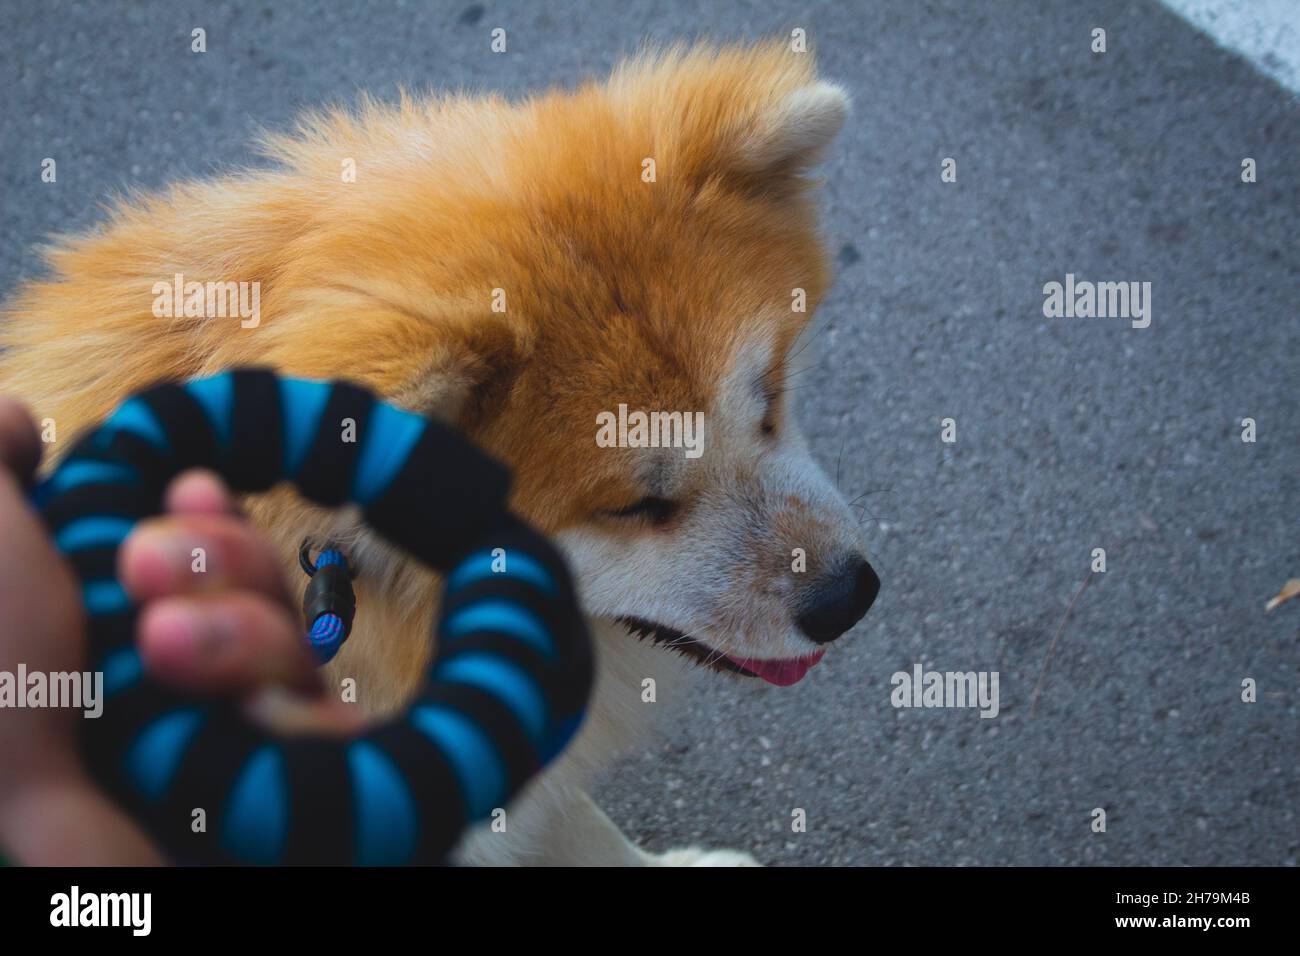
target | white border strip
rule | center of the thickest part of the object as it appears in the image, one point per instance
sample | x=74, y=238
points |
x=1266, y=32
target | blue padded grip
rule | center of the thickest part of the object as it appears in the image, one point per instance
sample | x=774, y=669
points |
x=506, y=691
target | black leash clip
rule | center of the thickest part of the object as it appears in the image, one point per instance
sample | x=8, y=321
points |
x=328, y=592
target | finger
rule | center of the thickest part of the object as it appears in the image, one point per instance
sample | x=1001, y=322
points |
x=67, y=821
x=287, y=713
x=200, y=554
x=227, y=642
x=20, y=445
x=199, y=491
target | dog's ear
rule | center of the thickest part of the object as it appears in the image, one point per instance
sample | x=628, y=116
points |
x=463, y=372
x=792, y=133
x=756, y=112
x=449, y=362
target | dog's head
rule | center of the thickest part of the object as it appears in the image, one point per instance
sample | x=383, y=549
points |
x=642, y=246
x=667, y=267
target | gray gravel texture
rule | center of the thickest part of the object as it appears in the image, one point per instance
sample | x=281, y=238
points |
x=1072, y=434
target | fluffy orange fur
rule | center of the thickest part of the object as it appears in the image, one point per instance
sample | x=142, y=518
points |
x=616, y=289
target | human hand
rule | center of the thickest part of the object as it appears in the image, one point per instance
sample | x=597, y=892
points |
x=231, y=629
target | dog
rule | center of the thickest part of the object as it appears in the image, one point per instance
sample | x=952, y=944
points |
x=524, y=270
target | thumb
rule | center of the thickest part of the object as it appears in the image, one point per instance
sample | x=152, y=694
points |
x=20, y=446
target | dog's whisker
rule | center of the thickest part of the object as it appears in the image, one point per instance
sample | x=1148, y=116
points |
x=807, y=342
x=795, y=388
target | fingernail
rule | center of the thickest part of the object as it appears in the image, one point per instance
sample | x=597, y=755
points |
x=185, y=630
x=178, y=554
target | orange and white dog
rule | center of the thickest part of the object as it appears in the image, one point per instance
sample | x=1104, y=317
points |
x=524, y=269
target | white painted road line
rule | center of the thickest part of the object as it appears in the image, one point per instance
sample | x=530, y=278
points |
x=1266, y=32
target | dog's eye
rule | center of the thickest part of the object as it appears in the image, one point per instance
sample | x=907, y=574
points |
x=655, y=510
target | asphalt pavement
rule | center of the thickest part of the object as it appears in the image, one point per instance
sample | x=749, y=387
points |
x=1071, y=433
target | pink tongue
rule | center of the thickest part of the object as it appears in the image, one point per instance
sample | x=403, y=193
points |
x=780, y=673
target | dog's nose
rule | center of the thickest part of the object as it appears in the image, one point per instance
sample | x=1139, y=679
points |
x=837, y=601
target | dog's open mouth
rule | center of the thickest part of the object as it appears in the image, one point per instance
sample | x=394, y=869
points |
x=783, y=673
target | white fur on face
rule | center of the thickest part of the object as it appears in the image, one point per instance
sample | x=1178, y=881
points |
x=722, y=573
